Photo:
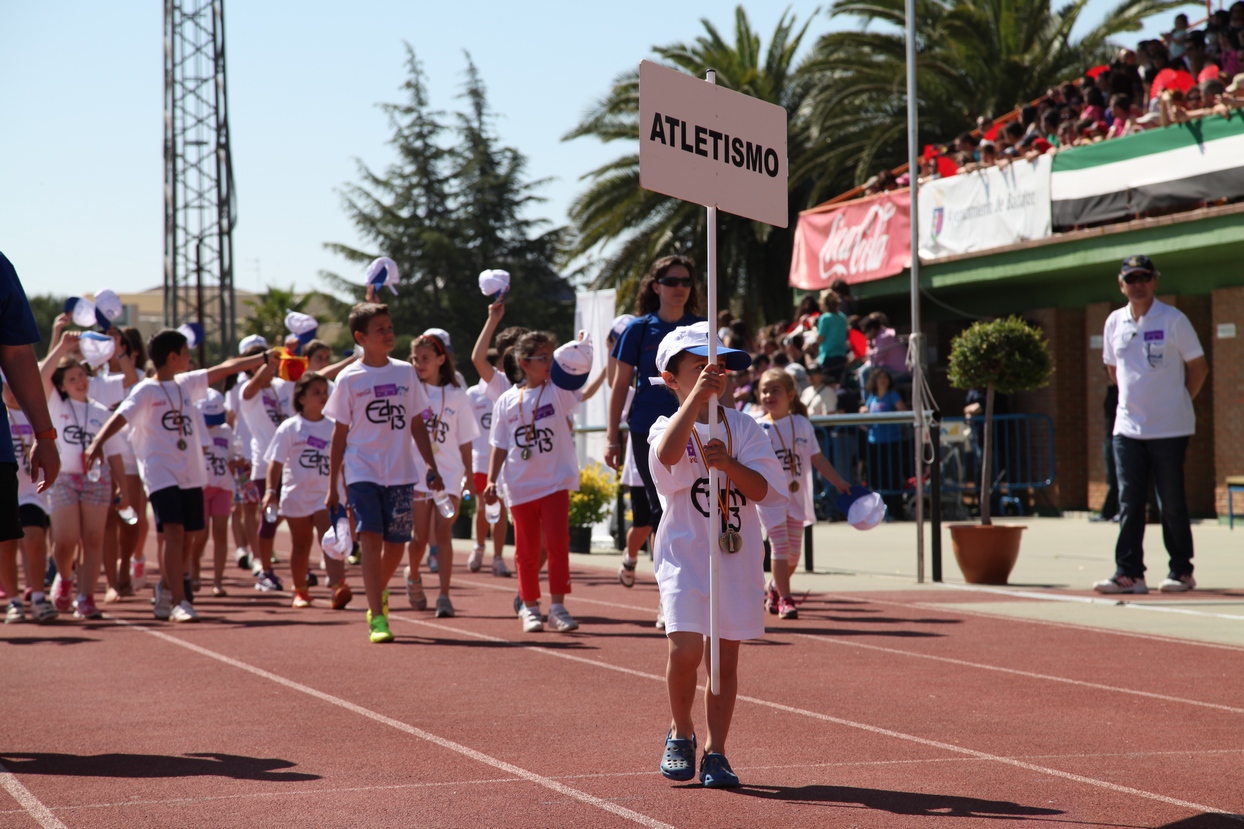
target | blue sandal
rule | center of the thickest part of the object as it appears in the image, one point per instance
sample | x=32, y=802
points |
x=678, y=762
x=715, y=772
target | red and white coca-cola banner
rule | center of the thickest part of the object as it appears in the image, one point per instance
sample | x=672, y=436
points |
x=860, y=241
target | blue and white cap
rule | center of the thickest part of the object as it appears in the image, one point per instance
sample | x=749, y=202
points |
x=212, y=407
x=442, y=335
x=863, y=508
x=619, y=324
x=337, y=542
x=383, y=272
x=694, y=339
x=250, y=342
x=302, y=326
x=494, y=283
x=96, y=348
x=571, y=363
x=107, y=307
x=193, y=332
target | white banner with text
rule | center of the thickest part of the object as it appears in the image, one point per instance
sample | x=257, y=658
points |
x=985, y=209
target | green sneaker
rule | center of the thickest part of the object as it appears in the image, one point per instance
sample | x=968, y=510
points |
x=379, y=628
x=384, y=602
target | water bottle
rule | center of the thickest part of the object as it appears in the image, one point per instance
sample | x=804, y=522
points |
x=270, y=514
x=128, y=516
x=493, y=511
x=95, y=472
x=444, y=504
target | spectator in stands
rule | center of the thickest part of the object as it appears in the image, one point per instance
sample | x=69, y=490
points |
x=1124, y=123
x=738, y=337
x=831, y=331
x=885, y=350
x=966, y=143
x=1067, y=136
x=1211, y=91
x=847, y=303
x=1177, y=38
x=1229, y=52
x=1012, y=134
x=795, y=368
x=1237, y=18
x=988, y=154
x=1153, y=354
x=820, y=397
x=1172, y=107
x=1094, y=104
x=1049, y=126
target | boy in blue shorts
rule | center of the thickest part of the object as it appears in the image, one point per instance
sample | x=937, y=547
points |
x=377, y=407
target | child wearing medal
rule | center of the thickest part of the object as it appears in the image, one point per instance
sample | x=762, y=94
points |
x=680, y=455
x=794, y=442
x=451, y=425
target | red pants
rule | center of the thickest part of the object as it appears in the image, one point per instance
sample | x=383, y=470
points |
x=551, y=514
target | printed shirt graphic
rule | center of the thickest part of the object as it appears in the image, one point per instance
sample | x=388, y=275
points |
x=680, y=557
x=481, y=406
x=216, y=456
x=264, y=412
x=1149, y=357
x=377, y=404
x=450, y=418
x=77, y=424
x=302, y=446
x=23, y=438
x=157, y=426
x=797, y=458
x=545, y=431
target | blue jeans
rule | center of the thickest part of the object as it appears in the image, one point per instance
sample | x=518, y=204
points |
x=1135, y=461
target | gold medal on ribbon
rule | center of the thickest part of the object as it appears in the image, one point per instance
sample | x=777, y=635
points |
x=181, y=444
x=794, y=486
x=526, y=454
x=730, y=541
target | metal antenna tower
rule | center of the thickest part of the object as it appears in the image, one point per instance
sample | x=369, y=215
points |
x=199, y=201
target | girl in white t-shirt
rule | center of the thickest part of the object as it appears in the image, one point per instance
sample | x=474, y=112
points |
x=266, y=401
x=451, y=423
x=680, y=457
x=533, y=445
x=217, y=493
x=794, y=442
x=298, y=480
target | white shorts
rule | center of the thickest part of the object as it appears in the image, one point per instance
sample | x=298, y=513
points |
x=302, y=503
x=684, y=594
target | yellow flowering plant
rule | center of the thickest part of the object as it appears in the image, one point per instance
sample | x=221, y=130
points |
x=598, y=487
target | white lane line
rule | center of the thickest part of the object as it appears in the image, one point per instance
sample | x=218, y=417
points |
x=1116, y=602
x=873, y=729
x=465, y=751
x=575, y=597
x=1028, y=674
x=31, y=804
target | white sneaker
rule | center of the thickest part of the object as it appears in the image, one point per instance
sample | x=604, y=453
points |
x=626, y=573
x=163, y=603
x=499, y=568
x=256, y=566
x=15, y=614
x=184, y=612
x=561, y=620
x=530, y=617
x=138, y=573
x=660, y=618
x=1121, y=584
x=1182, y=584
x=434, y=564
x=242, y=558
x=476, y=559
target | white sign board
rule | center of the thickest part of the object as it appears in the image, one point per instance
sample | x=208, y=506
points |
x=1226, y=330
x=702, y=143
x=985, y=209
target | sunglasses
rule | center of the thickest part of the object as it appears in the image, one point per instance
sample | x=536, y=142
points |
x=1133, y=278
x=537, y=358
x=676, y=281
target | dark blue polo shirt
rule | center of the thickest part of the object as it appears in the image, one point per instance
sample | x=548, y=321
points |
x=637, y=347
x=17, y=327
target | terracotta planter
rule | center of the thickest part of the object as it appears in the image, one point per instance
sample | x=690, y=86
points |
x=986, y=555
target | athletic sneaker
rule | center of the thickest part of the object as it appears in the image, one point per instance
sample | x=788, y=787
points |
x=414, y=592
x=302, y=598
x=499, y=568
x=771, y=598
x=1121, y=584
x=312, y=579
x=518, y=605
x=786, y=608
x=560, y=619
x=342, y=596
x=444, y=608
x=715, y=772
x=384, y=603
x=267, y=582
x=16, y=613
x=84, y=607
x=530, y=617
x=242, y=557
x=219, y=592
x=163, y=602
x=1177, y=584
x=42, y=611
x=256, y=566
x=184, y=612
x=626, y=573
x=378, y=629
x=476, y=559
x=434, y=565
x=62, y=595
x=660, y=618
x=138, y=573
x=354, y=557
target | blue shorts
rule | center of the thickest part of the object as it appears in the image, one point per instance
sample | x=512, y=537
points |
x=385, y=510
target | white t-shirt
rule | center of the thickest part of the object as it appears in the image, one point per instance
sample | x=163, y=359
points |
x=377, y=405
x=233, y=403
x=108, y=390
x=451, y=422
x=1149, y=355
x=161, y=413
x=680, y=557
x=794, y=450
x=481, y=405
x=265, y=411
x=216, y=456
x=23, y=436
x=822, y=401
x=498, y=385
x=536, y=420
x=77, y=424
x=302, y=447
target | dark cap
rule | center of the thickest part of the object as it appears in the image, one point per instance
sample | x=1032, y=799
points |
x=1137, y=264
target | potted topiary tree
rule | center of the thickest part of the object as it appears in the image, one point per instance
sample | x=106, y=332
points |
x=1008, y=356
x=591, y=504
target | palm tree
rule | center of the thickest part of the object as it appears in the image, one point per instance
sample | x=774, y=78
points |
x=974, y=56
x=637, y=226
x=266, y=315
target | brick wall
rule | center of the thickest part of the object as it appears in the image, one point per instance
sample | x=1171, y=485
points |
x=1226, y=379
x=1199, y=472
x=1095, y=382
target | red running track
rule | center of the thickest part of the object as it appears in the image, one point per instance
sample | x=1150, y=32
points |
x=871, y=710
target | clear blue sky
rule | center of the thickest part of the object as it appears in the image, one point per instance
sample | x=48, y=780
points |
x=81, y=172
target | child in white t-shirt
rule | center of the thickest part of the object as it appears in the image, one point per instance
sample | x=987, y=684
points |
x=218, y=493
x=451, y=428
x=298, y=466
x=170, y=460
x=794, y=442
x=680, y=457
x=376, y=404
x=248, y=493
x=481, y=451
x=266, y=400
x=533, y=445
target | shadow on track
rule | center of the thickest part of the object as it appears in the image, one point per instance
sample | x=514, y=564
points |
x=899, y=803
x=47, y=640
x=136, y=766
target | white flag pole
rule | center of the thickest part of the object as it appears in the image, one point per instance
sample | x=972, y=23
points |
x=714, y=527
x=916, y=344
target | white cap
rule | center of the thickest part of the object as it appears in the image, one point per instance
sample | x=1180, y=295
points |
x=494, y=281
x=109, y=304
x=337, y=542
x=213, y=407
x=302, y=327
x=96, y=348
x=193, y=332
x=694, y=338
x=82, y=310
x=571, y=363
x=383, y=272
x=440, y=334
x=864, y=509
x=251, y=341
x=619, y=324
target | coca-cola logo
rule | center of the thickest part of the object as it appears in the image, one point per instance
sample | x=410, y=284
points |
x=859, y=248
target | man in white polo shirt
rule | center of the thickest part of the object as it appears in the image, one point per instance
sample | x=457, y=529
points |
x=1155, y=357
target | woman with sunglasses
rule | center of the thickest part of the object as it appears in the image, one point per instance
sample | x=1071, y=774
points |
x=669, y=297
